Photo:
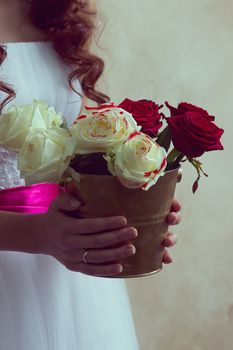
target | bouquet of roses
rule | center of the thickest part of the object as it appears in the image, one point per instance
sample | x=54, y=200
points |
x=125, y=141
x=124, y=158
x=136, y=150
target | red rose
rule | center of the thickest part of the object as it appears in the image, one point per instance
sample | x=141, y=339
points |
x=146, y=113
x=193, y=131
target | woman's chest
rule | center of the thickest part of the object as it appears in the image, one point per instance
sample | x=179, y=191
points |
x=34, y=72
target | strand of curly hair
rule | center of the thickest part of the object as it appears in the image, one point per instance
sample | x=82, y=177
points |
x=69, y=25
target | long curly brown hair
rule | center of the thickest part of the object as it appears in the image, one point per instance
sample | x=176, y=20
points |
x=69, y=25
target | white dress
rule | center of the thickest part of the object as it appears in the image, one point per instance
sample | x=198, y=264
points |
x=43, y=306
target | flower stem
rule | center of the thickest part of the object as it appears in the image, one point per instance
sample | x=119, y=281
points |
x=164, y=138
x=174, y=156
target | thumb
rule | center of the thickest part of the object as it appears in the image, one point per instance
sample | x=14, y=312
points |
x=65, y=202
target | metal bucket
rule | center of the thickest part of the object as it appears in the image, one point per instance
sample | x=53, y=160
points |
x=145, y=210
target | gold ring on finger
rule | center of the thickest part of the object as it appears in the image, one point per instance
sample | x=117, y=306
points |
x=85, y=257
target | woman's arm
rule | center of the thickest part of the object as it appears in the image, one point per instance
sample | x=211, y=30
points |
x=16, y=232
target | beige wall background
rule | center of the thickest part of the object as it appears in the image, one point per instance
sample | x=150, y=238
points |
x=182, y=50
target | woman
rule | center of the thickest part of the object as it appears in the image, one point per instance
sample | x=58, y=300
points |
x=45, y=304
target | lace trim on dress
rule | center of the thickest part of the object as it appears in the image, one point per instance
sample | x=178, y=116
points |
x=9, y=173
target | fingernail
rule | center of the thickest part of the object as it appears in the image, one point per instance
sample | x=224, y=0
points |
x=131, y=249
x=169, y=243
x=74, y=203
x=133, y=232
x=123, y=220
x=119, y=268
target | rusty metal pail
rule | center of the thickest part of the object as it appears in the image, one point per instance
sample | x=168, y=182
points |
x=145, y=210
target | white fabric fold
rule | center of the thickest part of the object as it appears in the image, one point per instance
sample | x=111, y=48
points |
x=43, y=306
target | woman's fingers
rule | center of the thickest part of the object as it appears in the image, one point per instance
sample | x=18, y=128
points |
x=96, y=270
x=100, y=240
x=170, y=240
x=97, y=235
x=167, y=259
x=65, y=202
x=95, y=225
x=107, y=255
x=95, y=256
x=173, y=218
x=176, y=205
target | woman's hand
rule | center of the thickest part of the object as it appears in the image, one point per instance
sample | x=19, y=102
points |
x=171, y=238
x=67, y=239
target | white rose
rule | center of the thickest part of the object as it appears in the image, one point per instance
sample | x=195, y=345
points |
x=45, y=155
x=138, y=162
x=17, y=121
x=102, y=128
